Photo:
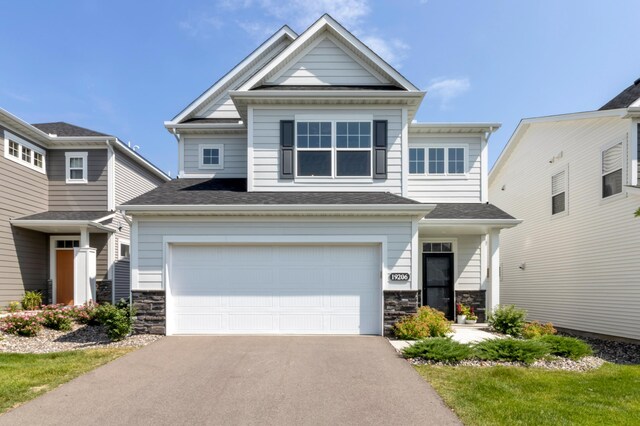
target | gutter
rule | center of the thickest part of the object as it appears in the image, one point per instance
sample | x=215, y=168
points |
x=505, y=223
x=53, y=223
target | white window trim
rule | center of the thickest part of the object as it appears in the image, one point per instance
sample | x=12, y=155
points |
x=333, y=149
x=24, y=144
x=68, y=156
x=120, y=243
x=623, y=192
x=220, y=148
x=424, y=161
x=564, y=169
x=446, y=174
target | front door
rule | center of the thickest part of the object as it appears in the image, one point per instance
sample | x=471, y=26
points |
x=64, y=276
x=437, y=282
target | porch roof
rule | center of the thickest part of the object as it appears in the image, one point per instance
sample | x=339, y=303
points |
x=65, y=221
x=466, y=218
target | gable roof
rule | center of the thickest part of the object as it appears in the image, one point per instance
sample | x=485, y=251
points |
x=624, y=99
x=62, y=129
x=467, y=211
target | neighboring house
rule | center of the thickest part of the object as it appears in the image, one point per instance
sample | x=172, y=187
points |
x=572, y=179
x=59, y=231
x=309, y=202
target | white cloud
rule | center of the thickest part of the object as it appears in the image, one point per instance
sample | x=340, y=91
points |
x=447, y=89
x=391, y=50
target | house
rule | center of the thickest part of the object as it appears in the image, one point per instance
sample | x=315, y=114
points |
x=309, y=203
x=573, y=179
x=59, y=231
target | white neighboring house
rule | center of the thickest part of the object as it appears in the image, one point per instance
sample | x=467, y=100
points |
x=573, y=179
x=309, y=203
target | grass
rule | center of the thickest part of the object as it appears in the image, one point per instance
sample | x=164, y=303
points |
x=521, y=396
x=26, y=376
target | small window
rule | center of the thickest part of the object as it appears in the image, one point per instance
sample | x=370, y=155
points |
x=14, y=149
x=456, y=161
x=612, y=160
x=76, y=167
x=23, y=152
x=26, y=155
x=558, y=192
x=124, y=249
x=313, y=146
x=38, y=160
x=211, y=156
x=436, y=161
x=446, y=247
x=67, y=244
x=416, y=161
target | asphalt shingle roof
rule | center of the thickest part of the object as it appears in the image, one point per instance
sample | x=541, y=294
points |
x=625, y=98
x=467, y=211
x=234, y=192
x=63, y=129
x=67, y=215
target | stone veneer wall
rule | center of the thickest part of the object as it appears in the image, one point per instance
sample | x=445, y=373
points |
x=475, y=298
x=104, y=291
x=397, y=304
x=151, y=312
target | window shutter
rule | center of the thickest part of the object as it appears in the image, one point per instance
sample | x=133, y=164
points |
x=286, y=149
x=612, y=159
x=558, y=183
x=380, y=137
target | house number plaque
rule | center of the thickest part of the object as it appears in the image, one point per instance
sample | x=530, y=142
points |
x=399, y=277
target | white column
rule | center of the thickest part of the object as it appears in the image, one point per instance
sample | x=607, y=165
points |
x=84, y=238
x=493, y=287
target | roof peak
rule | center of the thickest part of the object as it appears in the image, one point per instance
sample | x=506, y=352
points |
x=64, y=129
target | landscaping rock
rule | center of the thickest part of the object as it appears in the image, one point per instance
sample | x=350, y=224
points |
x=611, y=350
x=584, y=364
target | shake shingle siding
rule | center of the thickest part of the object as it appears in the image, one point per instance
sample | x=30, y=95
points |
x=82, y=196
x=23, y=253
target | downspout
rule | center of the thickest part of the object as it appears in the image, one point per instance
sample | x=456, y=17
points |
x=176, y=135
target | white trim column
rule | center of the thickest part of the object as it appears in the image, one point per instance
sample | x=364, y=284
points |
x=84, y=238
x=493, y=284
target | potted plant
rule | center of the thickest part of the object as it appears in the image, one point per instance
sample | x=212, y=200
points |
x=462, y=312
x=472, y=318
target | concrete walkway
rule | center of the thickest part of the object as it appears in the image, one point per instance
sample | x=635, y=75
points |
x=471, y=333
x=245, y=380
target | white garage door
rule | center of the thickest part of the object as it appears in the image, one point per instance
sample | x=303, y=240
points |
x=274, y=289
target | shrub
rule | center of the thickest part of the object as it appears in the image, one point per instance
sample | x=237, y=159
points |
x=439, y=349
x=514, y=350
x=86, y=314
x=56, y=317
x=32, y=300
x=27, y=325
x=427, y=322
x=535, y=329
x=567, y=347
x=118, y=319
x=14, y=306
x=508, y=319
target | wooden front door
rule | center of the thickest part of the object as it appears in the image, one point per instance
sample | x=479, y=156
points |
x=64, y=276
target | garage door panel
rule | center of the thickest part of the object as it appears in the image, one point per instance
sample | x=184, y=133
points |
x=275, y=289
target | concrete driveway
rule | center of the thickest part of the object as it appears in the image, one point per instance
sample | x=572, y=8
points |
x=245, y=380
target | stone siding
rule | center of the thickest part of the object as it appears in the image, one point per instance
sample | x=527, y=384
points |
x=476, y=299
x=151, y=312
x=104, y=291
x=397, y=304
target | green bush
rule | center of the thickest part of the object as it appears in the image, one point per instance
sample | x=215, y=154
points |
x=567, y=347
x=14, y=306
x=32, y=300
x=508, y=319
x=535, y=329
x=427, y=322
x=56, y=317
x=27, y=325
x=439, y=349
x=513, y=350
x=117, y=319
x=86, y=314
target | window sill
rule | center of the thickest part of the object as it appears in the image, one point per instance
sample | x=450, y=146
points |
x=328, y=180
x=613, y=198
x=73, y=182
x=25, y=164
x=438, y=177
x=211, y=167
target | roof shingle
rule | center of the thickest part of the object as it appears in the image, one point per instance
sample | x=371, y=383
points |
x=67, y=215
x=60, y=128
x=467, y=211
x=625, y=98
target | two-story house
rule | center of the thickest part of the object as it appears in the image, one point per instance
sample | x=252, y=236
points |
x=573, y=179
x=59, y=231
x=309, y=202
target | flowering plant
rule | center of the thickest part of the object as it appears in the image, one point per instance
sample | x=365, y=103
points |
x=87, y=313
x=472, y=314
x=22, y=324
x=56, y=317
x=462, y=309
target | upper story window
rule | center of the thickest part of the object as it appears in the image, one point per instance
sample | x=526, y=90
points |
x=439, y=161
x=76, y=167
x=333, y=148
x=211, y=156
x=125, y=249
x=559, y=192
x=612, y=160
x=20, y=151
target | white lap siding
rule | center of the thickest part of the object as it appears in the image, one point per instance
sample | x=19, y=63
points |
x=398, y=234
x=235, y=156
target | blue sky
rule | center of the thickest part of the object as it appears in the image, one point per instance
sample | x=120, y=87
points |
x=124, y=67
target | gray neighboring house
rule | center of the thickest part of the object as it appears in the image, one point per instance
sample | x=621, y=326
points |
x=59, y=231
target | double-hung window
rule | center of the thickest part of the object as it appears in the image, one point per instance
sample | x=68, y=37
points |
x=416, y=161
x=23, y=152
x=333, y=148
x=612, y=161
x=437, y=161
x=212, y=156
x=76, y=167
x=559, y=192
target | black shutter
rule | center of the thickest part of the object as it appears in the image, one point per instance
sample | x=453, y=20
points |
x=380, y=137
x=286, y=149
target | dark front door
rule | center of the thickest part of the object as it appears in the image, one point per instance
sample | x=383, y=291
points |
x=437, y=282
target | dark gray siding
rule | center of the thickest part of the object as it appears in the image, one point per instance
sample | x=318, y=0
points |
x=122, y=271
x=89, y=196
x=23, y=254
x=132, y=179
x=99, y=242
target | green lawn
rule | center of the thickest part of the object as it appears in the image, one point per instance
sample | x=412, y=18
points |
x=528, y=396
x=26, y=376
